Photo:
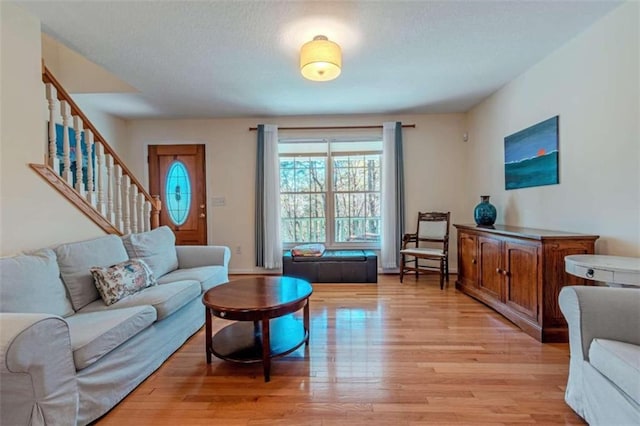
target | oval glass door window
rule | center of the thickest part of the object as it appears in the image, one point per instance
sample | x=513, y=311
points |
x=178, y=193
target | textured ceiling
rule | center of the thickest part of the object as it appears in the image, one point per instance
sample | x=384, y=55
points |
x=240, y=58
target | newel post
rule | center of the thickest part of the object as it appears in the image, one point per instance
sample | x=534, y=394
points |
x=155, y=211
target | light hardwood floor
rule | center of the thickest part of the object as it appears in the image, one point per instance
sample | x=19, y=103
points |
x=391, y=353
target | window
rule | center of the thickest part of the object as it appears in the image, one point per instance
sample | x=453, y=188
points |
x=330, y=191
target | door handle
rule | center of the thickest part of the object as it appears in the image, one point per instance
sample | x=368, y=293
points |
x=474, y=261
x=498, y=270
x=202, y=215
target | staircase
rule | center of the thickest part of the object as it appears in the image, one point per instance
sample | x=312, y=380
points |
x=81, y=165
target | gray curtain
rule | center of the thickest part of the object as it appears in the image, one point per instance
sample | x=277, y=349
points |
x=399, y=185
x=259, y=217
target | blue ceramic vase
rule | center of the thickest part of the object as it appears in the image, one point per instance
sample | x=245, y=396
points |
x=485, y=213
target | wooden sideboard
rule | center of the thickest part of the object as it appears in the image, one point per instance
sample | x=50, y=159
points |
x=519, y=272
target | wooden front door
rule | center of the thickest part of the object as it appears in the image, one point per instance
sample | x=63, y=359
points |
x=177, y=174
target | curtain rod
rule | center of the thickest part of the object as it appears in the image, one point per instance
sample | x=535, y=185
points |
x=411, y=126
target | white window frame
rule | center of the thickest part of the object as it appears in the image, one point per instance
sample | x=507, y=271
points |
x=330, y=218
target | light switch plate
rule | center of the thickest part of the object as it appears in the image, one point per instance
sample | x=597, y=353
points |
x=218, y=201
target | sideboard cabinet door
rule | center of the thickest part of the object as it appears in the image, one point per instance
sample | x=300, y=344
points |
x=490, y=261
x=522, y=277
x=468, y=259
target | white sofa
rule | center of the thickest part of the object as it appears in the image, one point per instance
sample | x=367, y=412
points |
x=604, y=339
x=66, y=357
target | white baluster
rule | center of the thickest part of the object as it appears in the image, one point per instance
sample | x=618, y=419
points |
x=147, y=216
x=101, y=181
x=118, y=196
x=77, y=125
x=66, y=148
x=110, y=181
x=52, y=101
x=134, y=208
x=141, y=215
x=126, y=186
x=90, y=187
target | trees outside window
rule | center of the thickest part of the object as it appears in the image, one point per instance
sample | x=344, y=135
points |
x=303, y=199
x=331, y=193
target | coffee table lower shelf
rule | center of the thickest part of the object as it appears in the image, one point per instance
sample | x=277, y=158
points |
x=242, y=341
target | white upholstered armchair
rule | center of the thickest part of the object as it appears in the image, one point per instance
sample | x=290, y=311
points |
x=604, y=339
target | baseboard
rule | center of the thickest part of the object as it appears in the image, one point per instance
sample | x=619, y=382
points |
x=260, y=271
x=254, y=271
x=397, y=272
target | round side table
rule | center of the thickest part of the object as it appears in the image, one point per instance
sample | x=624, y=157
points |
x=616, y=271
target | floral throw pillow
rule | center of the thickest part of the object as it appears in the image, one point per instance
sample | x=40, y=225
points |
x=122, y=279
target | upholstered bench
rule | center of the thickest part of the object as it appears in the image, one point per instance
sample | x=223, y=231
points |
x=334, y=266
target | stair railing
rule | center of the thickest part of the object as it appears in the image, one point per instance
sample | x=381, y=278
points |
x=102, y=187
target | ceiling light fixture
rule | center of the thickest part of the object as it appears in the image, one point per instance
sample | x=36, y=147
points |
x=320, y=59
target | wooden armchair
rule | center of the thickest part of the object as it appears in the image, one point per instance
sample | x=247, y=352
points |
x=430, y=243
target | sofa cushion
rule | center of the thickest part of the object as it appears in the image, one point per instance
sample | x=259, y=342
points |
x=122, y=279
x=165, y=298
x=95, y=334
x=156, y=247
x=619, y=362
x=31, y=284
x=75, y=259
x=208, y=276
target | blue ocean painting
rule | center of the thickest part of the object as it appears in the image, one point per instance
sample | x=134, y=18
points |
x=531, y=156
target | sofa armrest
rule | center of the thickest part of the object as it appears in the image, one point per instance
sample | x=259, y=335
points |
x=37, y=371
x=195, y=256
x=602, y=312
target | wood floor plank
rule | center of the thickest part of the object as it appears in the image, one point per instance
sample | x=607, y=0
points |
x=385, y=354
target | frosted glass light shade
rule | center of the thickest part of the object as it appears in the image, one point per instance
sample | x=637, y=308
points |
x=320, y=59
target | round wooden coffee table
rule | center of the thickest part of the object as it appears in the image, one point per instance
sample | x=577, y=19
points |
x=266, y=327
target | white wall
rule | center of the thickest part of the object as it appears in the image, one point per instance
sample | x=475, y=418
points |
x=80, y=76
x=112, y=128
x=592, y=83
x=33, y=215
x=434, y=167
